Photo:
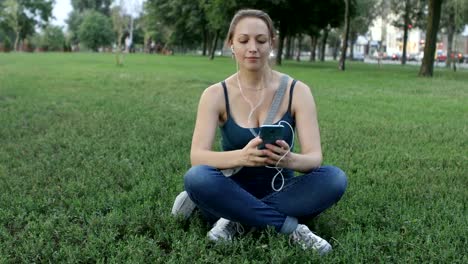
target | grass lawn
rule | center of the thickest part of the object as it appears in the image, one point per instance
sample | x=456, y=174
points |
x=92, y=156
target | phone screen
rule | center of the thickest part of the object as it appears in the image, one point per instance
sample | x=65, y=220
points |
x=270, y=133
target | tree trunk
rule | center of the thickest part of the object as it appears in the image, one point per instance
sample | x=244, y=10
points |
x=323, y=44
x=118, y=52
x=17, y=41
x=450, y=60
x=336, y=47
x=213, y=49
x=433, y=19
x=292, y=48
x=344, y=47
x=450, y=34
x=282, y=36
x=131, y=35
x=205, y=39
x=299, y=47
x=405, y=31
x=209, y=43
x=313, y=47
x=288, y=47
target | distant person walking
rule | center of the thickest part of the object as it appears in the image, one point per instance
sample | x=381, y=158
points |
x=128, y=44
x=152, y=47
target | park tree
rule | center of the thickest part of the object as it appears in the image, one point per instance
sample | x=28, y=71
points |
x=153, y=25
x=358, y=15
x=384, y=10
x=22, y=17
x=75, y=18
x=408, y=14
x=12, y=17
x=120, y=23
x=138, y=30
x=96, y=30
x=453, y=19
x=182, y=19
x=323, y=42
x=101, y=6
x=433, y=20
x=323, y=17
x=334, y=40
x=344, y=46
x=280, y=12
x=310, y=17
x=314, y=33
x=218, y=15
x=52, y=38
x=191, y=23
x=364, y=13
x=333, y=10
x=131, y=9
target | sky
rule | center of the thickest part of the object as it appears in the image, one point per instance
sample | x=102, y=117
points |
x=60, y=12
x=63, y=7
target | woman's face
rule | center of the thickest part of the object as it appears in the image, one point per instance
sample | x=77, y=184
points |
x=251, y=43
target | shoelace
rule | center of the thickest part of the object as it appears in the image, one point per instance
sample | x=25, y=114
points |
x=236, y=227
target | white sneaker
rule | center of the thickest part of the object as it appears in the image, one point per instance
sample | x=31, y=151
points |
x=223, y=230
x=183, y=205
x=304, y=237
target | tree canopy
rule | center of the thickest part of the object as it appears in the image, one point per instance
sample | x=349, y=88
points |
x=19, y=18
x=96, y=30
x=101, y=6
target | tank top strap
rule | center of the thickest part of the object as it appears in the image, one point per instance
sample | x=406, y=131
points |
x=226, y=98
x=291, y=95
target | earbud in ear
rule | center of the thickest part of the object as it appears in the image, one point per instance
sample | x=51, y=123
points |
x=232, y=48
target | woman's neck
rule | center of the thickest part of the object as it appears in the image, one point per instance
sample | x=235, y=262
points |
x=253, y=80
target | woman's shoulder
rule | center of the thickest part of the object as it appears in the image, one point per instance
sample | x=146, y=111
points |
x=213, y=89
x=302, y=95
x=301, y=87
x=213, y=93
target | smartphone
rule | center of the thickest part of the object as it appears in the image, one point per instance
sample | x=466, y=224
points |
x=270, y=133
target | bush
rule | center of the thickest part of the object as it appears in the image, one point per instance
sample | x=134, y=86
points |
x=96, y=30
x=51, y=39
x=7, y=45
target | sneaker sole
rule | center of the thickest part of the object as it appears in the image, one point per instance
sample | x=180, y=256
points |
x=183, y=206
x=327, y=248
x=217, y=239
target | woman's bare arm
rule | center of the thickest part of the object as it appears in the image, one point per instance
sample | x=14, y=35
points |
x=210, y=107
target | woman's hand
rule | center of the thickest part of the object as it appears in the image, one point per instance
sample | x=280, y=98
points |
x=279, y=154
x=252, y=156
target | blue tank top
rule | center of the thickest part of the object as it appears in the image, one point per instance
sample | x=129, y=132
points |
x=236, y=137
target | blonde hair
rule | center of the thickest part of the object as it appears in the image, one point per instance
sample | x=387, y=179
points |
x=250, y=13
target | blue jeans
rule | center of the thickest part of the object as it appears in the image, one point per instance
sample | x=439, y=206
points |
x=257, y=205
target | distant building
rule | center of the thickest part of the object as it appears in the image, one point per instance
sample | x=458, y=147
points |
x=391, y=38
x=382, y=32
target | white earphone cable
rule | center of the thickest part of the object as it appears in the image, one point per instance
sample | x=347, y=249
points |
x=252, y=110
x=279, y=169
x=252, y=107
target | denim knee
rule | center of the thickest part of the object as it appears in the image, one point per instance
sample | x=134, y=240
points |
x=337, y=180
x=198, y=179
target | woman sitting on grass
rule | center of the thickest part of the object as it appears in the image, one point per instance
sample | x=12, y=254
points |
x=246, y=184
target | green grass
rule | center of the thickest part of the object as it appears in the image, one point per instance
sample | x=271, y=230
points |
x=92, y=156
